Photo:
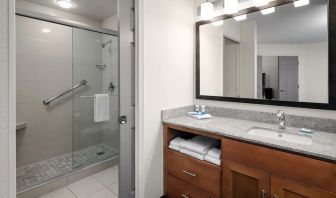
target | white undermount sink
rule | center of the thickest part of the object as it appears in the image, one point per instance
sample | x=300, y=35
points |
x=280, y=135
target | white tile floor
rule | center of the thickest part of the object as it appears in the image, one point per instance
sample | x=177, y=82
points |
x=100, y=185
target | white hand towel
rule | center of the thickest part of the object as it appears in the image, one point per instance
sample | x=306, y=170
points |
x=200, y=144
x=177, y=141
x=101, y=107
x=176, y=148
x=212, y=160
x=199, y=116
x=192, y=154
x=215, y=153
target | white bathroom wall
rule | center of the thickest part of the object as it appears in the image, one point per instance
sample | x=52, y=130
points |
x=232, y=29
x=313, y=67
x=168, y=79
x=4, y=100
x=111, y=23
x=248, y=60
x=211, y=60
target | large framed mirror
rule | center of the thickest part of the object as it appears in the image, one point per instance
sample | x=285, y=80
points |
x=279, y=54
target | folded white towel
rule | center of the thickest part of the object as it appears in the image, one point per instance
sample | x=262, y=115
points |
x=176, y=148
x=177, y=141
x=192, y=154
x=212, y=160
x=215, y=153
x=199, y=116
x=101, y=107
x=199, y=144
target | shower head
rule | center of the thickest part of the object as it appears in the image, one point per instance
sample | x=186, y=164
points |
x=106, y=43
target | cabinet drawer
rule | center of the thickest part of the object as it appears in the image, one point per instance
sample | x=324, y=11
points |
x=195, y=172
x=177, y=188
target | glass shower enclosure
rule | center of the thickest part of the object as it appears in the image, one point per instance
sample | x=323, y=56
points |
x=59, y=133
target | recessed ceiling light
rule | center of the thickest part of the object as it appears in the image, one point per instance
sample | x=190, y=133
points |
x=240, y=18
x=218, y=23
x=268, y=11
x=64, y=3
x=301, y=3
x=207, y=11
x=45, y=30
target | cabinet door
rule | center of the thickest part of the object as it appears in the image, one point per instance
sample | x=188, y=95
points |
x=284, y=188
x=240, y=181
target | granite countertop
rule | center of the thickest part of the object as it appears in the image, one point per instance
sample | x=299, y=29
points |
x=323, y=144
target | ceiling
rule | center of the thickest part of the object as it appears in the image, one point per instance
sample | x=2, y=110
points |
x=307, y=24
x=93, y=9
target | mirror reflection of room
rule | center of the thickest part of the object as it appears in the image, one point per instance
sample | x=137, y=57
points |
x=280, y=53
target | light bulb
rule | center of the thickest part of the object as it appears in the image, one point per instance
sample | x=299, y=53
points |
x=231, y=6
x=259, y=3
x=207, y=11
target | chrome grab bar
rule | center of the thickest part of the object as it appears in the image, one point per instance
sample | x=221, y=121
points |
x=49, y=100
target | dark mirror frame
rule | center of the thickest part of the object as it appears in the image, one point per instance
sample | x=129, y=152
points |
x=331, y=56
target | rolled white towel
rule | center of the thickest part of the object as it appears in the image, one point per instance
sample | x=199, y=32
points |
x=176, y=148
x=212, y=160
x=192, y=154
x=199, y=144
x=215, y=153
x=199, y=116
x=177, y=141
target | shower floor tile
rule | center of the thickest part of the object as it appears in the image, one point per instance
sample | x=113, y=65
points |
x=40, y=172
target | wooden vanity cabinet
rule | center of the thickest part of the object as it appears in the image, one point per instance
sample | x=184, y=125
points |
x=247, y=171
x=240, y=181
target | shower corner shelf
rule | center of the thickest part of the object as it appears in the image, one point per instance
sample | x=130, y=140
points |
x=20, y=126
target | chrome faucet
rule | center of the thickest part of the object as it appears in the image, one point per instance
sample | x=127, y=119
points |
x=282, y=119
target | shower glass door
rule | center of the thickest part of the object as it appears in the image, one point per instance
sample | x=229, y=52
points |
x=95, y=60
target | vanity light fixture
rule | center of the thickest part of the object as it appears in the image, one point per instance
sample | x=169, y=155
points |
x=230, y=6
x=268, y=11
x=300, y=3
x=207, y=10
x=218, y=23
x=258, y=3
x=66, y=4
x=240, y=18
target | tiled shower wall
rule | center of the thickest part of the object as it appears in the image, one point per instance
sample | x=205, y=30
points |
x=44, y=69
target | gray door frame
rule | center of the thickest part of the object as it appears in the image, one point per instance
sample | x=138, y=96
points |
x=127, y=106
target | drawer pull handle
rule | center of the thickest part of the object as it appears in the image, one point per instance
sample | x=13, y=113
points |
x=263, y=193
x=184, y=196
x=189, y=173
